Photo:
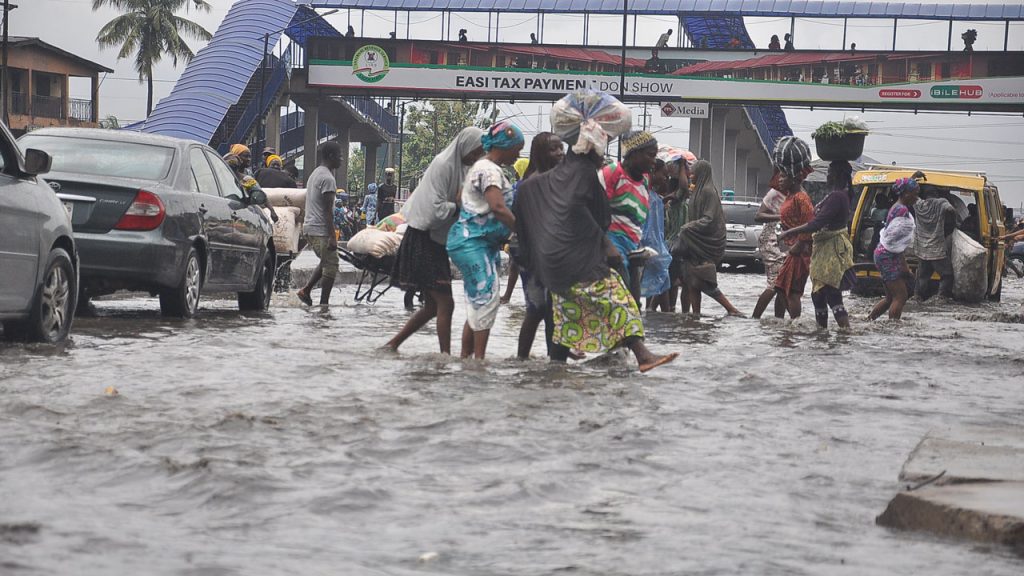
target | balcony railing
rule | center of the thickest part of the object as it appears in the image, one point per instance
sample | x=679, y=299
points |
x=19, y=103
x=47, y=106
x=81, y=109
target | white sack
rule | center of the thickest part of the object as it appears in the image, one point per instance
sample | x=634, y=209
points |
x=287, y=229
x=376, y=243
x=970, y=268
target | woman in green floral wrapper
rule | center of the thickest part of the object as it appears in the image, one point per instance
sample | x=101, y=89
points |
x=561, y=219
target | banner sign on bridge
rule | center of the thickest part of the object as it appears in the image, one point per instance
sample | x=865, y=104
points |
x=545, y=73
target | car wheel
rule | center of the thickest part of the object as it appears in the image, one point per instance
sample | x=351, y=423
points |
x=259, y=299
x=182, y=301
x=1016, y=264
x=54, y=306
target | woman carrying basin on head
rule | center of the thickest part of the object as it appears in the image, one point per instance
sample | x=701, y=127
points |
x=831, y=254
x=484, y=224
x=422, y=261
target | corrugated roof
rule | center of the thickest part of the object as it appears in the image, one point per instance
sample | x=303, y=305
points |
x=25, y=41
x=215, y=79
x=770, y=8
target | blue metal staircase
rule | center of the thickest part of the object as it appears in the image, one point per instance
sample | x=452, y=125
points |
x=718, y=32
x=217, y=99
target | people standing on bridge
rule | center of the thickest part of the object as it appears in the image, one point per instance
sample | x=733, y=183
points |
x=318, y=226
x=774, y=44
x=701, y=242
x=626, y=185
x=386, y=194
x=422, y=261
x=546, y=151
x=484, y=225
x=562, y=218
x=663, y=39
x=792, y=160
x=832, y=253
x=896, y=237
x=789, y=43
x=533, y=38
x=462, y=35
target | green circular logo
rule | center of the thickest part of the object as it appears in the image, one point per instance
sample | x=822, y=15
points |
x=370, y=64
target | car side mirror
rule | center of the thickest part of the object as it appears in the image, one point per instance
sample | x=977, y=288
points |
x=37, y=162
x=258, y=197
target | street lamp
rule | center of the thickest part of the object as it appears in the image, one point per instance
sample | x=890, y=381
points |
x=260, y=134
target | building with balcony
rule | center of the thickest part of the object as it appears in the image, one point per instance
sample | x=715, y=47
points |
x=38, y=88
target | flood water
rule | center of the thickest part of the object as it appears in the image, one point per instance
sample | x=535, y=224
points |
x=285, y=443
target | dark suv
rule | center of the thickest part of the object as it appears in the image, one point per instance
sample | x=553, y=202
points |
x=38, y=262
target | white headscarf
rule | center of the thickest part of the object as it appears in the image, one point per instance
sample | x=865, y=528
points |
x=431, y=207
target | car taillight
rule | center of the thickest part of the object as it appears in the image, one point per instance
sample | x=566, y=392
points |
x=146, y=213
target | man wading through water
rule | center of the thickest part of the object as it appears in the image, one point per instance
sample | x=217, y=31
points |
x=318, y=226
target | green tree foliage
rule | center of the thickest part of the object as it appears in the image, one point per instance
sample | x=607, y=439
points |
x=356, y=173
x=149, y=29
x=110, y=123
x=431, y=126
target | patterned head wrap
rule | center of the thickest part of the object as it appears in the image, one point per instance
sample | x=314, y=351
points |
x=636, y=141
x=239, y=149
x=503, y=135
x=792, y=157
x=372, y=188
x=587, y=119
x=904, y=185
x=274, y=158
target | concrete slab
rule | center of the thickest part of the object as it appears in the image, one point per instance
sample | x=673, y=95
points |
x=967, y=454
x=975, y=490
x=991, y=512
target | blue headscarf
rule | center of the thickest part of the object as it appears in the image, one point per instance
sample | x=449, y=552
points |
x=372, y=188
x=503, y=135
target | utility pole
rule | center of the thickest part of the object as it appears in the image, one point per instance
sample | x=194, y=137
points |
x=645, y=116
x=5, y=91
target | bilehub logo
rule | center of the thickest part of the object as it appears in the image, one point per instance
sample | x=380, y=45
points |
x=962, y=92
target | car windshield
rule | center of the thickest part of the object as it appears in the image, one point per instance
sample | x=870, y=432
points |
x=103, y=157
x=740, y=214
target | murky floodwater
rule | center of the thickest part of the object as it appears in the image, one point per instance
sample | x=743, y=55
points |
x=286, y=444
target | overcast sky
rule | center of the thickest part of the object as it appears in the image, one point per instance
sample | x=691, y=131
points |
x=992, y=143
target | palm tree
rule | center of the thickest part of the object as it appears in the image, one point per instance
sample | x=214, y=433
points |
x=149, y=29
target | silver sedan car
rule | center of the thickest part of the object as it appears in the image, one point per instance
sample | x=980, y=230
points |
x=161, y=215
x=38, y=261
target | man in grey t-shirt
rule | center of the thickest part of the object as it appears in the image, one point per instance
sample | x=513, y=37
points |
x=318, y=227
x=936, y=221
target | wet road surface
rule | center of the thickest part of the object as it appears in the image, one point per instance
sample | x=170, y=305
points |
x=285, y=443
